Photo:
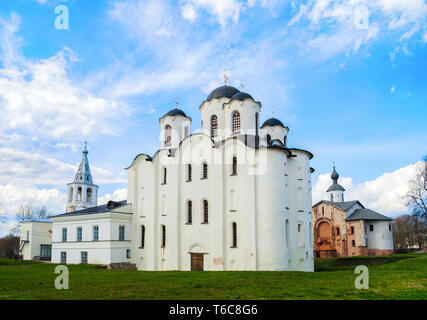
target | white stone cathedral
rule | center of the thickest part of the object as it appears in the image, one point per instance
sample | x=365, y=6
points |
x=233, y=196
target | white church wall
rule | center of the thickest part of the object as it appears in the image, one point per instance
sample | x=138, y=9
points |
x=381, y=237
x=271, y=237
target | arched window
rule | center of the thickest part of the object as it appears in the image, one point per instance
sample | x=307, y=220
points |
x=205, y=211
x=287, y=233
x=268, y=139
x=164, y=180
x=189, y=212
x=189, y=172
x=234, y=166
x=214, y=126
x=234, y=235
x=205, y=170
x=256, y=123
x=163, y=236
x=285, y=140
x=332, y=197
x=89, y=195
x=301, y=235
x=79, y=194
x=142, y=236
x=168, y=135
x=236, y=122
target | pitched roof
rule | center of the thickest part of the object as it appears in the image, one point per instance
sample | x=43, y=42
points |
x=83, y=173
x=341, y=205
x=335, y=186
x=366, y=214
x=110, y=206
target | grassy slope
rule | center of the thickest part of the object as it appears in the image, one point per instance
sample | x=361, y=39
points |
x=394, y=277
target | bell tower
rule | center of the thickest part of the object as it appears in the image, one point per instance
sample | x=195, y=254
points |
x=335, y=191
x=82, y=193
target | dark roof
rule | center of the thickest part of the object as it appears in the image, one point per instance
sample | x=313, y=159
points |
x=335, y=186
x=110, y=206
x=242, y=96
x=367, y=214
x=175, y=112
x=341, y=205
x=223, y=91
x=272, y=122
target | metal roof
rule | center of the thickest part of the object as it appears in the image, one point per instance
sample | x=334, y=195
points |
x=223, y=91
x=341, y=205
x=366, y=214
x=272, y=122
x=83, y=173
x=241, y=96
x=335, y=186
x=110, y=206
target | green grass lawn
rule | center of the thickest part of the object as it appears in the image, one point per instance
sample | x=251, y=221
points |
x=402, y=276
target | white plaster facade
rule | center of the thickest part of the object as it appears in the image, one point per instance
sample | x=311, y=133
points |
x=267, y=201
x=34, y=235
x=105, y=248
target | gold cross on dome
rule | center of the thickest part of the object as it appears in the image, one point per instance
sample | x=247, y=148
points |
x=225, y=77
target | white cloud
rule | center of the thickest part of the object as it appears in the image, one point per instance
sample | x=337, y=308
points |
x=223, y=10
x=392, y=89
x=13, y=195
x=385, y=194
x=189, y=12
x=118, y=195
x=346, y=26
x=29, y=167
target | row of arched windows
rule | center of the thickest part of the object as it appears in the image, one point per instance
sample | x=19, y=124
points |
x=190, y=212
x=168, y=135
x=235, y=124
x=204, y=173
x=80, y=194
x=163, y=232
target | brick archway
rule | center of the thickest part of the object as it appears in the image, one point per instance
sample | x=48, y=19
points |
x=324, y=239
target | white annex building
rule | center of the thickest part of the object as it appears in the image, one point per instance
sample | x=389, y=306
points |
x=232, y=196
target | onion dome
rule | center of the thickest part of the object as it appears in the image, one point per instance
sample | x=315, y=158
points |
x=223, y=91
x=175, y=112
x=335, y=175
x=335, y=185
x=272, y=122
x=242, y=96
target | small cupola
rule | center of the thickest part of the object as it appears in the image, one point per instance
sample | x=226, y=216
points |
x=273, y=130
x=335, y=191
x=174, y=127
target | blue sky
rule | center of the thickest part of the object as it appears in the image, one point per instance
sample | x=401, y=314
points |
x=348, y=77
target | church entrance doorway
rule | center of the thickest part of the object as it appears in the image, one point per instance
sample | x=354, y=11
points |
x=196, y=261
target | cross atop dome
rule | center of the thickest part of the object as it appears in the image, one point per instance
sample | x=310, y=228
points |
x=225, y=77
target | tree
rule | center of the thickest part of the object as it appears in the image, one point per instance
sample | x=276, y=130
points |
x=417, y=194
x=401, y=232
x=28, y=213
x=9, y=246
